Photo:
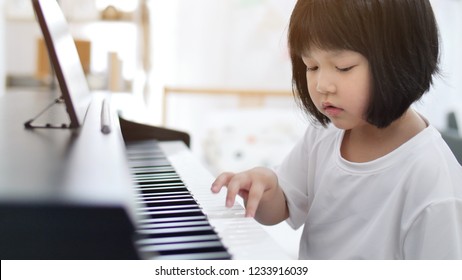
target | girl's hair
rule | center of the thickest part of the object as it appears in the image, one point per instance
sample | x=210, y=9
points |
x=399, y=38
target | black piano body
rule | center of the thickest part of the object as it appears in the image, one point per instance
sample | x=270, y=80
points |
x=67, y=193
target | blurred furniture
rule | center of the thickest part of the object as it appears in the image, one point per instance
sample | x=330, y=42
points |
x=247, y=97
x=452, y=136
x=43, y=62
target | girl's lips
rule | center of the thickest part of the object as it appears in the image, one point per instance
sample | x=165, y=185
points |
x=331, y=110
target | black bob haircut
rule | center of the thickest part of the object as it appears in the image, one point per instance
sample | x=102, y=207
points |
x=399, y=38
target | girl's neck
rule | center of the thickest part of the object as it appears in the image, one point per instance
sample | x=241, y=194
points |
x=366, y=143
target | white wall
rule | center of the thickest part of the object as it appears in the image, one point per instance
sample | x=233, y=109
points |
x=2, y=48
x=233, y=43
x=219, y=44
x=446, y=93
x=228, y=43
x=20, y=33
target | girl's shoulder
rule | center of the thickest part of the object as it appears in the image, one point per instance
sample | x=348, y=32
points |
x=430, y=148
x=433, y=163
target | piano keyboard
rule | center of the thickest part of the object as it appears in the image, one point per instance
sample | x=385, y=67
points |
x=180, y=218
x=172, y=224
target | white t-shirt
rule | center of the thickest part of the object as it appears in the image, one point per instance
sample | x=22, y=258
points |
x=404, y=205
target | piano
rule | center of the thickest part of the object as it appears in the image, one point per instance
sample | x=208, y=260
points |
x=133, y=193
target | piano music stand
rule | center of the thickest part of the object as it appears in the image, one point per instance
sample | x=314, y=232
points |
x=66, y=63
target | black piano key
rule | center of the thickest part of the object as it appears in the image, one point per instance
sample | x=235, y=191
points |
x=152, y=170
x=164, y=169
x=162, y=189
x=180, y=239
x=167, y=199
x=148, y=163
x=193, y=250
x=164, y=195
x=171, y=219
x=134, y=170
x=184, y=248
x=196, y=256
x=168, y=203
x=174, y=224
x=177, y=249
x=172, y=200
x=147, y=157
x=139, y=157
x=156, y=176
x=173, y=231
x=163, y=209
x=146, y=168
x=158, y=182
x=171, y=214
x=178, y=233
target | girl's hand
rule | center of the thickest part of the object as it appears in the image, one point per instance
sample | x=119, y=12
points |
x=254, y=186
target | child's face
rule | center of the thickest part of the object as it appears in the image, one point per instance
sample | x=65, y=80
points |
x=339, y=85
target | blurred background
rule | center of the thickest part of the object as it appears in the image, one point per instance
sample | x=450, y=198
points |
x=218, y=70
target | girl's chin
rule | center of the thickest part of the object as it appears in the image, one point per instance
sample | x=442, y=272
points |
x=343, y=124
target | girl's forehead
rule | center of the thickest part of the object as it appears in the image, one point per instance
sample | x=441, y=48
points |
x=334, y=53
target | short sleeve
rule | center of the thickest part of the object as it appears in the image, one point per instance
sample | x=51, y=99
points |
x=436, y=233
x=292, y=177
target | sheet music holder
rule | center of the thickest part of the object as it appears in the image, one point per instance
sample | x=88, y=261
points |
x=65, y=61
x=29, y=124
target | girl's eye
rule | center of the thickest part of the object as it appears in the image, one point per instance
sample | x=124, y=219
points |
x=346, y=69
x=310, y=69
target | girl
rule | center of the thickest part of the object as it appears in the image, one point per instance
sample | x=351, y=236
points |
x=373, y=180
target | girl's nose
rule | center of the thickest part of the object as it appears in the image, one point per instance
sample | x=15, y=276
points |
x=325, y=84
